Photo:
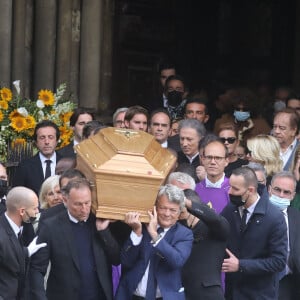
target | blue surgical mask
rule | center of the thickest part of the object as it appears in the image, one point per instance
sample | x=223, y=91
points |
x=241, y=115
x=281, y=203
x=279, y=105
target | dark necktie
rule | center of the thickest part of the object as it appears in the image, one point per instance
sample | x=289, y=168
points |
x=244, y=220
x=151, y=282
x=48, y=168
x=20, y=239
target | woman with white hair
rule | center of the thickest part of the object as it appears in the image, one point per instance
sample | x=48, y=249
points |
x=265, y=149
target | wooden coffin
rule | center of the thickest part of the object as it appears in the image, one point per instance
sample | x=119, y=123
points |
x=126, y=169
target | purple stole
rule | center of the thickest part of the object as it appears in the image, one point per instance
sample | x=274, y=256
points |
x=216, y=198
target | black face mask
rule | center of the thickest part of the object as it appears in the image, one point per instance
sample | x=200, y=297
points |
x=236, y=200
x=260, y=188
x=174, y=98
x=30, y=219
x=3, y=188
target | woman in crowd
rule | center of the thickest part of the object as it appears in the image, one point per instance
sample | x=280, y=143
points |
x=228, y=134
x=265, y=150
x=50, y=194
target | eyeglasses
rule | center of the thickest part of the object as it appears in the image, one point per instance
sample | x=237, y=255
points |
x=230, y=140
x=278, y=191
x=215, y=158
x=173, y=211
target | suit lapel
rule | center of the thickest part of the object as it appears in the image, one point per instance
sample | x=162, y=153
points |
x=17, y=248
x=38, y=166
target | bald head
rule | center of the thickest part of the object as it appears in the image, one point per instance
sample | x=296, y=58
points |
x=20, y=197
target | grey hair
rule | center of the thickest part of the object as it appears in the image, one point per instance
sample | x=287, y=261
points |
x=182, y=178
x=284, y=174
x=116, y=113
x=257, y=167
x=193, y=123
x=174, y=194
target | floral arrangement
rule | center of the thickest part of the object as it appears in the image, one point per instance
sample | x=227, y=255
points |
x=18, y=117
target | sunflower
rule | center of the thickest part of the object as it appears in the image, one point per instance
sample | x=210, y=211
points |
x=1, y=116
x=30, y=120
x=14, y=114
x=5, y=94
x=47, y=97
x=3, y=104
x=18, y=123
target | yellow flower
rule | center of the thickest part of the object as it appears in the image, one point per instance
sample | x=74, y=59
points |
x=14, y=114
x=5, y=94
x=30, y=121
x=4, y=104
x=47, y=97
x=66, y=116
x=1, y=116
x=18, y=123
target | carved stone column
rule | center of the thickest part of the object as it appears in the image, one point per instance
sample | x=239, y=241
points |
x=44, y=44
x=90, y=53
x=5, y=38
x=18, y=41
x=107, y=50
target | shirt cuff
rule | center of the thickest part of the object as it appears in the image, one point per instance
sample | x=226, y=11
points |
x=136, y=240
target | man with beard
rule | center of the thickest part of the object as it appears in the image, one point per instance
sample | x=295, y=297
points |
x=257, y=245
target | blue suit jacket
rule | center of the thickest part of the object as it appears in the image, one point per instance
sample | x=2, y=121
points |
x=170, y=255
x=261, y=249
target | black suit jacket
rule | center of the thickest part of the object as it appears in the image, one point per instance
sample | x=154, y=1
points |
x=289, y=286
x=67, y=151
x=64, y=278
x=201, y=274
x=30, y=173
x=13, y=259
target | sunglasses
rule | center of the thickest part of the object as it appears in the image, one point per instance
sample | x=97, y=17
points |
x=230, y=140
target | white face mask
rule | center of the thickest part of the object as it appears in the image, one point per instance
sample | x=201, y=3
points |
x=281, y=203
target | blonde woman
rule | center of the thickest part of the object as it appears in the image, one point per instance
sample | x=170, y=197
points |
x=265, y=150
x=50, y=194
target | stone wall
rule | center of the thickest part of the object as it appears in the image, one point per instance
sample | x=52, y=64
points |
x=47, y=42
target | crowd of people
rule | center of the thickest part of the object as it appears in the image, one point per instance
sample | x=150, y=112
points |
x=225, y=224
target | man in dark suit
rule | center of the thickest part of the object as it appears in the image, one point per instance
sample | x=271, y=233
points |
x=282, y=192
x=33, y=171
x=80, y=248
x=201, y=275
x=257, y=246
x=191, y=131
x=152, y=261
x=22, y=206
x=79, y=118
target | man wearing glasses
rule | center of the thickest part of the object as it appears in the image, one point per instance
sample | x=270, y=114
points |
x=213, y=190
x=282, y=192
